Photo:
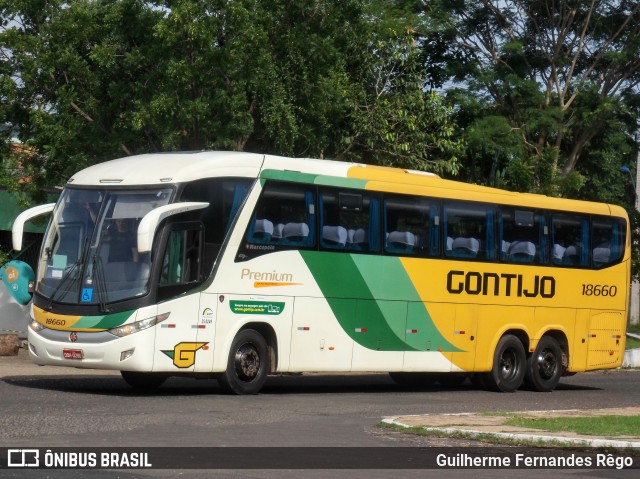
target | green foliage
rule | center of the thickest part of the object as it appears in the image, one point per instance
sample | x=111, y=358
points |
x=395, y=120
x=90, y=80
x=4, y=258
x=558, y=73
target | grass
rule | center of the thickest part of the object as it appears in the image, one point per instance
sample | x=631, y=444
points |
x=604, y=426
x=609, y=426
x=486, y=438
x=633, y=343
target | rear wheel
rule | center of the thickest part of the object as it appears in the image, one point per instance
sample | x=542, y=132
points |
x=248, y=364
x=146, y=381
x=509, y=364
x=544, y=367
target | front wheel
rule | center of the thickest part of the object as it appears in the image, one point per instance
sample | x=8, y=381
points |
x=509, y=363
x=248, y=364
x=544, y=367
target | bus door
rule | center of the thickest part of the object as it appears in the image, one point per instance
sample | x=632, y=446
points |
x=177, y=345
x=206, y=329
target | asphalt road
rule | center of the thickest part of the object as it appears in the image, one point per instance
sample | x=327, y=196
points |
x=53, y=407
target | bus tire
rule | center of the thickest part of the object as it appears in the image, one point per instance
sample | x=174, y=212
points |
x=248, y=364
x=509, y=364
x=145, y=381
x=545, y=367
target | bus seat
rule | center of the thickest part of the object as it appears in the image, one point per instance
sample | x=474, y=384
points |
x=262, y=231
x=360, y=240
x=449, y=246
x=601, y=255
x=401, y=242
x=558, y=253
x=277, y=234
x=463, y=247
x=522, y=252
x=357, y=239
x=334, y=237
x=295, y=233
x=504, y=250
x=571, y=255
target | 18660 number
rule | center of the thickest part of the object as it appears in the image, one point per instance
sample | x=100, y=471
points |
x=599, y=290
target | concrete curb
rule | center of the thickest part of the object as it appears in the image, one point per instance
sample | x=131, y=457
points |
x=530, y=436
x=631, y=358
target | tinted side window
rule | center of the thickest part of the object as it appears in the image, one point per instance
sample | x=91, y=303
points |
x=349, y=221
x=225, y=196
x=469, y=231
x=522, y=236
x=180, y=269
x=570, y=240
x=412, y=226
x=608, y=238
x=284, y=217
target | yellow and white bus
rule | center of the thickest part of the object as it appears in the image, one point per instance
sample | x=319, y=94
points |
x=236, y=265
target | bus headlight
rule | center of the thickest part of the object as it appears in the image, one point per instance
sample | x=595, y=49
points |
x=127, y=329
x=36, y=326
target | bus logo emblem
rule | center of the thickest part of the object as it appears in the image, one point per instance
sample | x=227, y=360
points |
x=73, y=337
x=184, y=354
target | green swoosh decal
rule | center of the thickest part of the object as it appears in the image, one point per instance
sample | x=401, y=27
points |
x=374, y=301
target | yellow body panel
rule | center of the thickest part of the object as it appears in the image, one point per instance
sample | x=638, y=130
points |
x=473, y=304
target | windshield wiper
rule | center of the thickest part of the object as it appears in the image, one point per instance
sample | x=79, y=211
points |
x=62, y=282
x=99, y=282
x=67, y=276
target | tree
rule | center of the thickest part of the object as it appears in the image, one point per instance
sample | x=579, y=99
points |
x=396, y=120
x=75, y=71
x=90, y=80
x=557, y=71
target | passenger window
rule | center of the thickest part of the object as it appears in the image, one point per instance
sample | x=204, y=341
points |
x=412, y=226
x=284, y=217
x=225, y=196
x=608, y=241
x=570, y=240
x=469, y=231
x=523, y=237
x=349, y=221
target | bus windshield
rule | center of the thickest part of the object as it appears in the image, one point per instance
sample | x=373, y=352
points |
x=89, y=254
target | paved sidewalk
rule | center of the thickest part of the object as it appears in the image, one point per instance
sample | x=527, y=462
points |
x=21, y=365
x=471, y=424
x=474, y=425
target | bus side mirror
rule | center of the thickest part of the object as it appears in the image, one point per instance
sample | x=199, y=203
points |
x=149, y=223
x=18, y=224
